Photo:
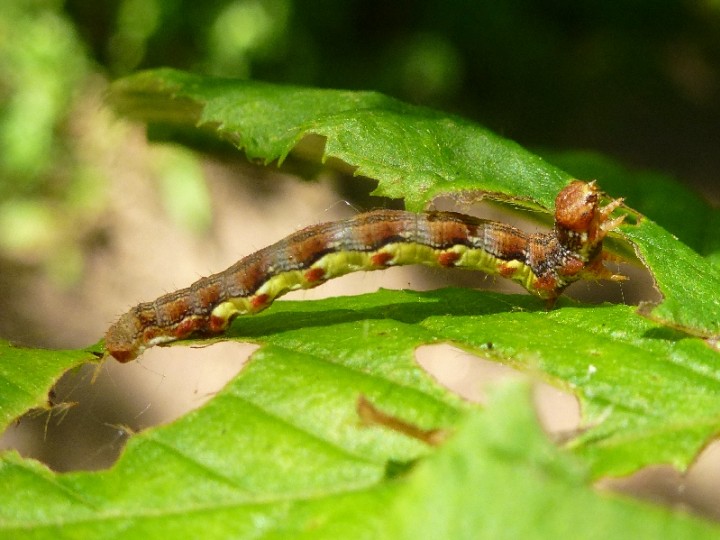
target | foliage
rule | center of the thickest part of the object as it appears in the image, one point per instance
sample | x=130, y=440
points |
x=282, y=451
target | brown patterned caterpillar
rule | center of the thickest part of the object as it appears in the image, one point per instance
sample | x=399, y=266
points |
x=544, y=263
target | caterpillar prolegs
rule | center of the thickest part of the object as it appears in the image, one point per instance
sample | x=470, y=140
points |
x=544, y=263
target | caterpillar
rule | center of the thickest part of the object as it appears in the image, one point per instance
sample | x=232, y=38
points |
x=544, y=263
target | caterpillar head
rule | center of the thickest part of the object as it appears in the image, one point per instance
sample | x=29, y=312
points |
x=580, y=222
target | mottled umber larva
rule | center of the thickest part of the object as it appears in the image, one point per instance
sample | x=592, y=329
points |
x=544, y=263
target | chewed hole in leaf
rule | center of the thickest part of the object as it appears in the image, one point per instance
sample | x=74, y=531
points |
x=461, y=372
x=697, y=489
x=557, y=410
x=112, y=402
x=470, y=376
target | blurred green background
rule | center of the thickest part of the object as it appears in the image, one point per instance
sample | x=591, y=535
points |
x=638, y=80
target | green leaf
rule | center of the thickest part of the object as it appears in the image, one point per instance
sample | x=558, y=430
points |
x=288, y=423
x=26, y=376
x=648, y=394
x=282, y=439
x=226, y=470
x=415, y=153
x=500, y=463
x=689, y=284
